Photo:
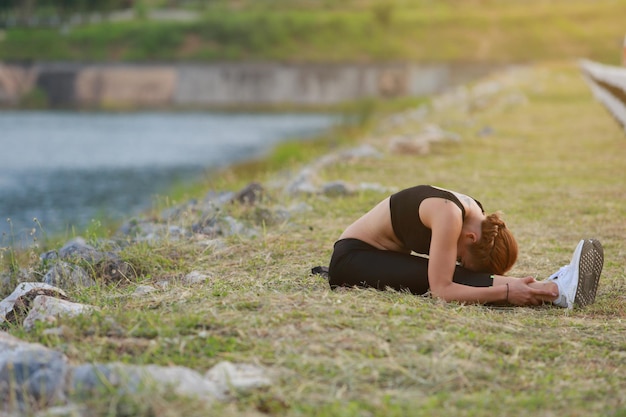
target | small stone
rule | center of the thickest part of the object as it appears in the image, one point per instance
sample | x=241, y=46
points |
x=336, y=189
x=251, y=194
x=215, y=245
x=402, y=145
x=142, y=290
x=195, y=277
x=362, y=151
x=369, y=186
x=61, y=331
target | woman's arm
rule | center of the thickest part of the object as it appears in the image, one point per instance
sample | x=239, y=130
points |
x=444, y=220
x=544, y=291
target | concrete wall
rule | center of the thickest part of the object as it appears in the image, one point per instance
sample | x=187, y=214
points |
x=223, y=84
x=15, y=82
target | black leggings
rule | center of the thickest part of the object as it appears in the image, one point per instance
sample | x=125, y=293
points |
x=356, y=263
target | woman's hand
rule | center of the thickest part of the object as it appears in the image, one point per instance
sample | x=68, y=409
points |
x=522, y=294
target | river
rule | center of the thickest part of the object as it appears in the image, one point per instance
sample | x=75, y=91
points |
x=65, y=169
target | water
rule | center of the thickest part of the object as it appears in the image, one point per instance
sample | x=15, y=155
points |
x=65, y=169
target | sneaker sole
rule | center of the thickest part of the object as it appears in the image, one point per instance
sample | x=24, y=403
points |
x=589, y=270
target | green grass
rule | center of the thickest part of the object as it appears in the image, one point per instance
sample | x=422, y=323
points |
x=357, y=31
x=553, y=163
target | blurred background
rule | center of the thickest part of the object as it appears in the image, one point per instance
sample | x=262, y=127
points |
x=106, y=104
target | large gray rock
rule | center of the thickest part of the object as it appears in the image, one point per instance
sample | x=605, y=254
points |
x=77, y=250
x=106, y=264
x=19, y=301
x=219, y=383
x=31, y=376
x=230, y=377
x=48, y=309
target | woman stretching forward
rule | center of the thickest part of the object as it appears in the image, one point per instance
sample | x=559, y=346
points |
x=462, y=254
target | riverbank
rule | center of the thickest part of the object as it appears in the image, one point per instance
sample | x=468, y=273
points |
x=531, y=142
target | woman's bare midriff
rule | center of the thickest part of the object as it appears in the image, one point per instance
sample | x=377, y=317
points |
x=374, y=228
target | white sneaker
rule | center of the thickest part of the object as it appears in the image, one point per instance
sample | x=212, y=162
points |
x=578, y=281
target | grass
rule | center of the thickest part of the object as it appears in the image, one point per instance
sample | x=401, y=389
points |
x=552, y=160
x=358, y=31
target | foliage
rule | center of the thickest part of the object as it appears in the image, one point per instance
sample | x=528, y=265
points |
x=416, y=30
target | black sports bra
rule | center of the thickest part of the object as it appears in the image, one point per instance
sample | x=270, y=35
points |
x=407, y=225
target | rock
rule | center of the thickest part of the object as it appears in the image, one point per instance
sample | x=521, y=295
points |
x=66, y=275
x=222, y=226
x=433, y=133
x=302, y=183
x=8, y=280
x=185, y=381
x=336, y=189
x=61, y=331
x=301, y=186
x=129, y=228
x=218, y=383
x=267, y=216
x=45, y=308
x=113, y=269
x=216, y=245
x=218, y=199
x=105, y=264
x=404, y=145
x=51, y=255
x=69, y=410
x=152, y=231
x=455, y=98
x=420, y=144
x=142, y=290
x=235, y=227
x=485, y=131
x=368, y=186
x=31, y=376
x=21, y=298
x=251, y=194
x=231, y=377
x=195, y=277
x=87, y=380
x=362, y=151
x=77, y=250
x=299, y=207
x=412, y=115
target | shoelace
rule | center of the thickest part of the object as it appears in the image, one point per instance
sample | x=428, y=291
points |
x=558, y=273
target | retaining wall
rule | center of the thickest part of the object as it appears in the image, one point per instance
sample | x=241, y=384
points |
x=223, y=84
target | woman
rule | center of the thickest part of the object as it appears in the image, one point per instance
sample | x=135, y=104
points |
x=464, y=253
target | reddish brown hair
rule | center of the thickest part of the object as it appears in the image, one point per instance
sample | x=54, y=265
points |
x=496, y=251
